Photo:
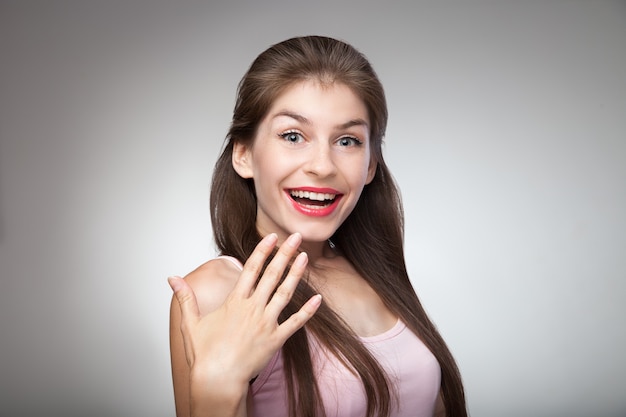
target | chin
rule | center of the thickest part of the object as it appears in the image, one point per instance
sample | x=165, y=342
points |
x=315, y=235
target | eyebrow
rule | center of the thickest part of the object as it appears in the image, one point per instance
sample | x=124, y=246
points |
x=304, y=120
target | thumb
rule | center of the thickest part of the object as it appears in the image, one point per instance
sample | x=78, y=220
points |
x=185, y=297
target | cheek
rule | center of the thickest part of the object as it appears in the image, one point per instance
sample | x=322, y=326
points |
x=362, y=170
x=269, y=169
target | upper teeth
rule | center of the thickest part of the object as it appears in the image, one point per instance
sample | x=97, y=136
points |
x=312, y=195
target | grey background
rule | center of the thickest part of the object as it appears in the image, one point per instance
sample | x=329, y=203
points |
x=507, y=136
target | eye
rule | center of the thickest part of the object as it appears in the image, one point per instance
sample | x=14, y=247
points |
x=292, y=137
x=349, y=141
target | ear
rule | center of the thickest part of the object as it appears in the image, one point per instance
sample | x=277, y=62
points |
x=242, y=160
x=371, y=171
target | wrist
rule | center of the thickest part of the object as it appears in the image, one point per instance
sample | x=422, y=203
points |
x=217, y=393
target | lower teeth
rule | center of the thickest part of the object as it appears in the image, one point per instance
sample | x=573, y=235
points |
x=311, y=206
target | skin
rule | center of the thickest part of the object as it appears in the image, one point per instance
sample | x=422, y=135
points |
x=223, y=331
x=313, y=136
x=219, y=345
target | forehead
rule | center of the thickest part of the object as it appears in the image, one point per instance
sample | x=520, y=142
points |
x=321, y=103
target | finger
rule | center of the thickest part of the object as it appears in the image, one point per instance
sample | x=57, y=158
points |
x=299, y=318
x=254, y=265
x=274, y=271
x=185, y=297
x=285, y=291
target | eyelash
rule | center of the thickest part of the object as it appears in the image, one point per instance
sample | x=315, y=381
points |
x=356, y=141
x=286, y=134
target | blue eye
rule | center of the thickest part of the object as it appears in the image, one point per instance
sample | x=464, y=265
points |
x=349, y=141
x=292, y=137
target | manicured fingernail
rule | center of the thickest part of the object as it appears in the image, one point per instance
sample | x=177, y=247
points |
x=294, y=240
x=316, y=300
x=270, y=240
x=301, y=259
x=173, y=281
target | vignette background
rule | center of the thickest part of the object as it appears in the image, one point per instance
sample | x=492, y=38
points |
x=506, y=135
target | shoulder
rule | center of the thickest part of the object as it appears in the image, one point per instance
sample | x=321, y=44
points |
x=213, y=281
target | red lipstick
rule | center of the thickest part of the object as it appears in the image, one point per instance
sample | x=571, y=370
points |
x=314, y=207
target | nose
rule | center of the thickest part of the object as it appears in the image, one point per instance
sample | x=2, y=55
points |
x=320, y=162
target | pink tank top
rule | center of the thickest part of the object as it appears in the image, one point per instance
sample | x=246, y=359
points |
x=411, y=367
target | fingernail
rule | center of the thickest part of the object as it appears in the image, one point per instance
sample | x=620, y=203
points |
x=301, y=259
x=270, y=240
x=294, y=240
x=172, y=281
x=316, y=300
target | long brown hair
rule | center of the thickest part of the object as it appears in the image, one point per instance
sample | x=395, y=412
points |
x=371, y=238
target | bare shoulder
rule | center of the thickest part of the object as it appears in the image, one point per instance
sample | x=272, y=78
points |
x=212, y=282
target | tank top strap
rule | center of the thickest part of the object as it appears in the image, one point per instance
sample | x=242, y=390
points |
x=232, y=259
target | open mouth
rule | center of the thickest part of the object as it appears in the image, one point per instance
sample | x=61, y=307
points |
x=311, y=199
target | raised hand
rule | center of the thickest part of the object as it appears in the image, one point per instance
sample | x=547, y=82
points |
x=232, y=344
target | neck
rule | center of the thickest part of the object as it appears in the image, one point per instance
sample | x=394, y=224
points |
x=318, y=251
x=315, y=250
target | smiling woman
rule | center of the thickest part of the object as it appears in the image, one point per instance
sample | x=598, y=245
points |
x=311, y=141
x=309, y=310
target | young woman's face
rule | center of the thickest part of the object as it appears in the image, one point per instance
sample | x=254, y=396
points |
x=309, y=161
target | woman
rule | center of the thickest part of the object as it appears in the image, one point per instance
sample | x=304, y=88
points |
x=328, y=323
